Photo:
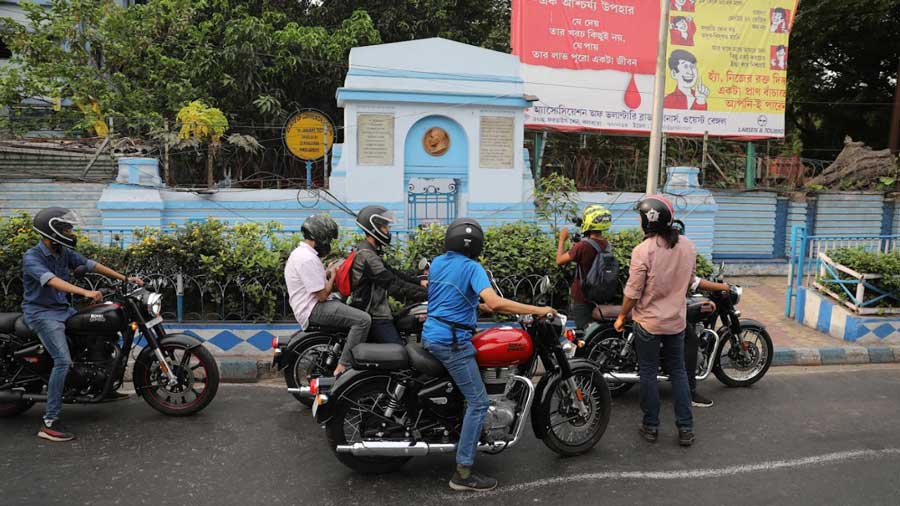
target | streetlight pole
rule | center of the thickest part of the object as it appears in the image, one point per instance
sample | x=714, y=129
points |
x=658, y=93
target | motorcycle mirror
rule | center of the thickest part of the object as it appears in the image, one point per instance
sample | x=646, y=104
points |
x=423, y=264
x=544, y=285
x=79, y=272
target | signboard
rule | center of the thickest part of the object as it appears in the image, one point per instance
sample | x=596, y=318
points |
x=375, y=139
x=496, y=142
x=592, y=64
x=309, y=135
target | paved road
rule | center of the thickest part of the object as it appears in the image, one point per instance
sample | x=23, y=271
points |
x=812, y=436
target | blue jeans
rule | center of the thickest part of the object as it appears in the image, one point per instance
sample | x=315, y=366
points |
x=464, y=370
x=53, y=336
x=384, y=331
x=648, y=353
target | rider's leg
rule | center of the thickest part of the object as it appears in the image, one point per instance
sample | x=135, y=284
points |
x=53, y=336
x=673, y=357
x=647, y=347
x=335, y=313
x=384, y=331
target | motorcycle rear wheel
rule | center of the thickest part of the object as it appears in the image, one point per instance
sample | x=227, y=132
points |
x=350, y=423
x=309, y=363
x=605, y=353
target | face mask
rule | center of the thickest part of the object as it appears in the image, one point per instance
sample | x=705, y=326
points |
x=322, y=249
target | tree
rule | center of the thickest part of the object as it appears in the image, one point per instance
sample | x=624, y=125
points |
x=556, y=200
x=206, y=124
x=842, y=73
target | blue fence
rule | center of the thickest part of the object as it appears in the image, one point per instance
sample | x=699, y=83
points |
x=805, y=262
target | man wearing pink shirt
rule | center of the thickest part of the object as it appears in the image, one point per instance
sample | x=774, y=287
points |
x=662, y=269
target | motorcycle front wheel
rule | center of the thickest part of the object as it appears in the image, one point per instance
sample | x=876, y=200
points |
x=570, y=433
x=354, y=420
x=742, y=362
x=197, y=380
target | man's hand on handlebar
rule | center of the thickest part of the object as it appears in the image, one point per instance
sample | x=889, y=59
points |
x=94, y=295
x=136, y=280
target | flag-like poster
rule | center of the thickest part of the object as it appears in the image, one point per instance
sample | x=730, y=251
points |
x=591, y=63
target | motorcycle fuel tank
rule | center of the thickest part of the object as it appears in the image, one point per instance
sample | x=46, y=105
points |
x=107, y=318
x=502, y=347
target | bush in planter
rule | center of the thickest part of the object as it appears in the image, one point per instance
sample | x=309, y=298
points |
x=868, y=262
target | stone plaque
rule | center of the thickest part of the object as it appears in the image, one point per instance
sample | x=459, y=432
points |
x=496, y=142
x=436, y=141
x=375, y=139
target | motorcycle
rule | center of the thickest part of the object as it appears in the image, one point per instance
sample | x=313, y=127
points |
x=400, y=402
x=173, y=373
x=738, y=353
x=314, y=352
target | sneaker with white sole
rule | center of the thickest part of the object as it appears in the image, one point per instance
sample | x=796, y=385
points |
x=52, y=430
x=698, y=401
x=475, y=482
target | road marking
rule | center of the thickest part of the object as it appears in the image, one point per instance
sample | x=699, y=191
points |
x=817, y=460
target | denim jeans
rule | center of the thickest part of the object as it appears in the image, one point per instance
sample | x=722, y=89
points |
x=53, y=336
x=464, y=370
x=648, y=353
x=334, y=313
x=581, y=313
x=384, y=331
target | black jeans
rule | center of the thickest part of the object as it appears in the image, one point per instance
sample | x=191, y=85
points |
x=384, y=331
x=581, y=313
x=691, y=346
x=648, y=352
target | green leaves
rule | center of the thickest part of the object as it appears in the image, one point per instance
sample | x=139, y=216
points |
x=556, y=200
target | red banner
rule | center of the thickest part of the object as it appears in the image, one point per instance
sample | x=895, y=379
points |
x=587, y=34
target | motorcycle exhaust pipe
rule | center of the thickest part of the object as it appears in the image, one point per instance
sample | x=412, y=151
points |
x=394, y=449
x=629, y=377
x=16, y=396
x=301, y=391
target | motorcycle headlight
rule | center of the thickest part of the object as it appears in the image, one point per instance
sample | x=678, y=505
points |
x=154, y=303
x=736, y=292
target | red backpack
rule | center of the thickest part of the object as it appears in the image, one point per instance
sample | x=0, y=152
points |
x=343, y=274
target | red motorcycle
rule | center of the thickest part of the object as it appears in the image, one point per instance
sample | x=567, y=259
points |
x=399, y=402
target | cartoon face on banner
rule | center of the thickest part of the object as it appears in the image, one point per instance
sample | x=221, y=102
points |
x=778, y=57
x=682, y=30
x=779, y=20
x=682, y=5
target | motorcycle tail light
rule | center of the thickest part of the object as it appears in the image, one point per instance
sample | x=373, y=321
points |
x=314, y=386
x=570, y=335
x=274, y=343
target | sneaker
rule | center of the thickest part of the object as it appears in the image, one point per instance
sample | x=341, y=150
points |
x=476, y=481
x=52, y=430
x=698, y=401
x=685, y=437
x=649, y=433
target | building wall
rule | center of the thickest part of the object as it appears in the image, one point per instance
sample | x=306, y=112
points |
x=32, y=195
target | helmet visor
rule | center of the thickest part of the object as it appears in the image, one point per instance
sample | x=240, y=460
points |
x=66, y=224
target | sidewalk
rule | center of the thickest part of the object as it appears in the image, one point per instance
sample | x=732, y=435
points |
x=795, y=343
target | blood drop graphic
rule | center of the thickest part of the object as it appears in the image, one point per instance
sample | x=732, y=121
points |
x=632, y=95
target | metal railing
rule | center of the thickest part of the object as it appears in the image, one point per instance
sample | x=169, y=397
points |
x=806, y=249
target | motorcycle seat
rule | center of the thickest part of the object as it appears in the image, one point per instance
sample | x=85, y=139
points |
x=606, y=312
x=23, y=331
x=390, y=357
x=8, y=322
x=326, y=329
x=424, y=362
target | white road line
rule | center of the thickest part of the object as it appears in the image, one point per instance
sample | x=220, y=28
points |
x=817, y=460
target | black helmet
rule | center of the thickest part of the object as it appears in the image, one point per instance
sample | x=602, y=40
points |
x=372, y=218
x=56, y=224
x=464, y=236
x=678, y=225
x=657, y=213
x=322, y=229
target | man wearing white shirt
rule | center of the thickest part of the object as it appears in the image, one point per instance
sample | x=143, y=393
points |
x=310, y=286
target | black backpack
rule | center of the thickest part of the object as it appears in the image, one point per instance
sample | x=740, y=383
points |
x=600, y=283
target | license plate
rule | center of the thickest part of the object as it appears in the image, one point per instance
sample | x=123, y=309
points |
x=154, y=322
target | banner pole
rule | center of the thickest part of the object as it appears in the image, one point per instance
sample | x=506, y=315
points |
x=658, y=92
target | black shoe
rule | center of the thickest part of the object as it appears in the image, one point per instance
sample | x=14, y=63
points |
x=685, y=437
x=649, y=433
x=51, y=430
x=116, y=396
x=476, y=481
x=698, y=401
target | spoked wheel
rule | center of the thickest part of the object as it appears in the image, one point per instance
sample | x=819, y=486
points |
x=569, y=432
x=744, y=361
x=310, y=363
x=355, y=420
x=608, y=355
x=197, y=380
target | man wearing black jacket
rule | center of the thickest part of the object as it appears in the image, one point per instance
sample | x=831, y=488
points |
x=373, y=280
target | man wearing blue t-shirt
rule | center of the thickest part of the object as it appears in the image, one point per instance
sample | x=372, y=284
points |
x=455, y=283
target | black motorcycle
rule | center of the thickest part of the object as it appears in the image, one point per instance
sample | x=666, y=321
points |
x=173, y=373
x=739, y=353
x=314, y=352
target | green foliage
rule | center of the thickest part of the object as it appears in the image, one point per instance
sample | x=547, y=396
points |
x=199, y=121
x=556, y=200
x=869, y=262
x=16, y=237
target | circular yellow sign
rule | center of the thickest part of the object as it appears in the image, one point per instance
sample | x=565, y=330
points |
x=309, y=135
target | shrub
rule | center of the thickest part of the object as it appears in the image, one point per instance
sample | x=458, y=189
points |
x=868, y=262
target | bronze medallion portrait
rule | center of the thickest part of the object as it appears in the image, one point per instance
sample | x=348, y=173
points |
x=436, y=141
